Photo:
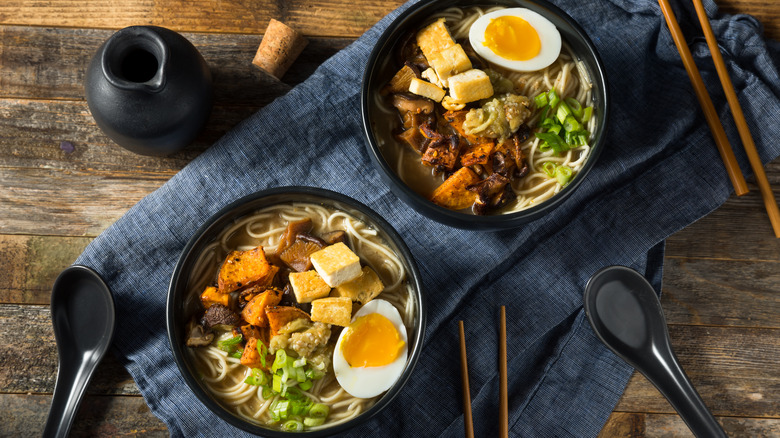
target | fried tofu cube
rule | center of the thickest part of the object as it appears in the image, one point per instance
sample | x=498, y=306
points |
x=470, y=86
x=254, y=311
x=308, y=286
x=211, y=296
x=245, y=268
x=336, y=264
x=449, y=62
x=426, y=89
x=362, y=289
x=434, y=38
x=453, y=192
x=332, y=310
x=400, y=81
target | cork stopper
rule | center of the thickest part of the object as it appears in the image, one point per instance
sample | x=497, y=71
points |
x=279, y=48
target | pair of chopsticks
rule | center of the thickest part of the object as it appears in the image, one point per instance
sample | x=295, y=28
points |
x=722, y=143
x=503, y=408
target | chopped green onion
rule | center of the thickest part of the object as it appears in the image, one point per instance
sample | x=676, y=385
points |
x=541, y=100
x=229, y=345
x=551, y=141
x=571, y=124
x=277, y=383
x=549, y=168
x=292, y=426
x=319, y=410
x=311, y=421
x=281, y=409
x=267, y=393
x=314, y=374
x=257, y=378
x=280, y=361
x=575, y=106
x=237, y=354
x=563, y=174
x=586, y=114
x=299, y=362
x=305, y=385
x=262, y=350
x=553, y=98
x=563, y=112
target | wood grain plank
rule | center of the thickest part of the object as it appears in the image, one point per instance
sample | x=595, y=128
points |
x=51, y=63
x=31, y=132
x=98, y=416
x=28, y=365
x=313, y=18
x=738, y=230
x=32, y=263
x=637, y=425
x=724, y=293
x=766, y=11
x=733, y=369
x=73, y=203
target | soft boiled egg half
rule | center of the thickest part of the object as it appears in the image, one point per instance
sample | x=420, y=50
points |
x=518, y=39
x=371, y=352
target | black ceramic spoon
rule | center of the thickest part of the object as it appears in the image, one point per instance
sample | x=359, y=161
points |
x=626, y=315
x=82, y=310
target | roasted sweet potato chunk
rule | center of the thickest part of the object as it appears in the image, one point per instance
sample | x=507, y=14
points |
x=211, y=296
x=453, y=194
x=456, y=119
x=251, y=356
x=245, y=268
x=279, y=316
x=476, y=154
x=254, y=311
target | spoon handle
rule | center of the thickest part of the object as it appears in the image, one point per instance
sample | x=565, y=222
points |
x=673, y=383
x=68, y=392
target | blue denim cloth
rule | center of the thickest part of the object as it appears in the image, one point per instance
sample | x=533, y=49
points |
x=659, y=172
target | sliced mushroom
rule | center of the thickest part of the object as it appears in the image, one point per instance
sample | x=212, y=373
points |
x=220, y=317
x=406, y=102
x=291, y=233
x=486, y=190
x=336, y=237
x=197, y=335
x=297, y=255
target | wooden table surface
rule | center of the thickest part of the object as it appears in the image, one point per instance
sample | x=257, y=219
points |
x=721, y=290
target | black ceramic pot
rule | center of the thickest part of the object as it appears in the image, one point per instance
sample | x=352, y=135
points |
x=149, y=90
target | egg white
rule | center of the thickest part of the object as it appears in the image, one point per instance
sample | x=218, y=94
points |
x=371, y=381
x=548, y=35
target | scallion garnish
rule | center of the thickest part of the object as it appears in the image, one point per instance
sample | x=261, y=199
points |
x=563, y=174
x=257, y=378
x=562, y=122
x=230, y=345
x=292, y=426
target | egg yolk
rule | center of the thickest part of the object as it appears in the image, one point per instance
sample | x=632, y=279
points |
x=512, y=38
x=371, y=341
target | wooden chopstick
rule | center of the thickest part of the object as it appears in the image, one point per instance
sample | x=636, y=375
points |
x=464, y=374
x=503, y=406
x=721, y=141
x=739, y=119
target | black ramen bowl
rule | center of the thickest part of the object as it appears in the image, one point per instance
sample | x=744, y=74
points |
x=177, y=313
x=378, y=126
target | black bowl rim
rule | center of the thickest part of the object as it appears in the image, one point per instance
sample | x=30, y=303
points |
x=463, y=220
x=225, y=216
